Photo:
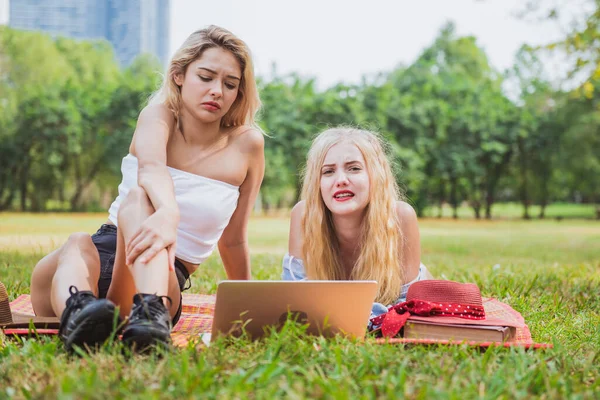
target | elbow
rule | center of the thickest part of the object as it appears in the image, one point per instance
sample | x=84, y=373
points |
x=228, y=243
x=147, y=173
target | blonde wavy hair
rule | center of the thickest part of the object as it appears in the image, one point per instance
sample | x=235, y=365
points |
x=380, y=250
x=246, y=105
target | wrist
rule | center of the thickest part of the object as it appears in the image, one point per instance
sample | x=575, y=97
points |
x=170, y=213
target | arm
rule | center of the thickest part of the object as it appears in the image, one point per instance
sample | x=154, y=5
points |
x=292, y=268
x=411, y=245
x=233, y=244
x=149, y=145
x=296, y=240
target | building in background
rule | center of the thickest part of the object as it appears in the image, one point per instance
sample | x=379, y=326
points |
x=4, y=12
x=132, y=27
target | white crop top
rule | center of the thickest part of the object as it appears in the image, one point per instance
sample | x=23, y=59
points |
x=205, y=207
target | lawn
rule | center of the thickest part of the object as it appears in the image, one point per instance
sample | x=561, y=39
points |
x=547, y=270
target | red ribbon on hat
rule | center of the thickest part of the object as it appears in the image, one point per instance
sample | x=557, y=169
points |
x=392, y=321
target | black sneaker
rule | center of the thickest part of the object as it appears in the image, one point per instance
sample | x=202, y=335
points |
x=87, y=321
x=149, y=323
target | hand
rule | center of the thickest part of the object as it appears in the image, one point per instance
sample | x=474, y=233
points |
x=157, y=232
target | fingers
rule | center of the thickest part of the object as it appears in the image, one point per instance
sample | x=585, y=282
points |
x=147, y=249
x=151, y=252
x=134, y=247
x=137, y=250
x=148, y=240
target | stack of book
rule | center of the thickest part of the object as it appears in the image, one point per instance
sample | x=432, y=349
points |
x=414, y=329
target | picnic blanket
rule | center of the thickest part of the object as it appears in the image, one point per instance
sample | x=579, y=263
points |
x=196, y=317
x=198, y=310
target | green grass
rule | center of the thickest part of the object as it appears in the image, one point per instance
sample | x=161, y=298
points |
x=515, y=211
x=547, y=270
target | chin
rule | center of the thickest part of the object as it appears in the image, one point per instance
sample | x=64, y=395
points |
x=345, y=209
x=207, y=119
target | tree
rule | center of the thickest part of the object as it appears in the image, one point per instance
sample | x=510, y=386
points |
x=25, y=85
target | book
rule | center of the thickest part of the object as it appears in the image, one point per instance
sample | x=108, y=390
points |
x=14, y=320
x=455, y=332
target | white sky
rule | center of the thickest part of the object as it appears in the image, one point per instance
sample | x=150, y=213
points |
x=341, y=40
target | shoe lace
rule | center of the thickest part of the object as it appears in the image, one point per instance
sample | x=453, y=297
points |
x=75, y=303
x=153, y=308
x=78, y=298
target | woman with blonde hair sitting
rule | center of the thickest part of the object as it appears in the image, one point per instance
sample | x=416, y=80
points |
x=190, y=179
x=351, y=223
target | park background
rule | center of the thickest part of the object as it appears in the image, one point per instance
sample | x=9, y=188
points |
x=501, y=164
x=461, y=131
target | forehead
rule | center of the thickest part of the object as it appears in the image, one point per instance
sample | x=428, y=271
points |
x=219, y=60
x=342, y=153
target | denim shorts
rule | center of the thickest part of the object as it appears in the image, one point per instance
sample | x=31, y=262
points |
x=105, y=240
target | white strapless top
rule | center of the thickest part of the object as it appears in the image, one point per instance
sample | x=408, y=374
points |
x=205, y=208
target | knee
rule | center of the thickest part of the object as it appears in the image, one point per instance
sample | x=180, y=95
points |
x=41, y=275
x=79, y=243
x=79, y=239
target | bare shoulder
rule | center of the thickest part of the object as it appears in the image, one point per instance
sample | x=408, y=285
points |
x=249, y=139
x=405, y=211
x=154, y=127
x=298, y=211
x=160, y=111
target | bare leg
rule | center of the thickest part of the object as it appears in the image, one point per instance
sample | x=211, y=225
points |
x=75, y=263
x=153, y=277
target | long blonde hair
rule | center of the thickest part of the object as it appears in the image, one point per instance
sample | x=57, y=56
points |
x=246, y=105
x=380, y=250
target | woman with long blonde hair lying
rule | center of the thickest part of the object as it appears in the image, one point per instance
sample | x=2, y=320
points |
x=351, y=223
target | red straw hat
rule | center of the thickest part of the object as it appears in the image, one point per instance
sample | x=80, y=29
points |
x=439, y=301
x=445, y=292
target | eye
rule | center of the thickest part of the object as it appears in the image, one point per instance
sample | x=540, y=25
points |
x=205, y=78
x=230, y=86
x=328, y=172
x=355, y=169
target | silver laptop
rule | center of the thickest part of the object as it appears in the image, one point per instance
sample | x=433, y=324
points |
x=329, y=307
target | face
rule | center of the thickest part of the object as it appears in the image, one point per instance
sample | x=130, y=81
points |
x=210, y=85
x=344, y=180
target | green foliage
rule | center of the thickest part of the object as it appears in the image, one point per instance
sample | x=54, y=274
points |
x=455, y=136
x=69, y=114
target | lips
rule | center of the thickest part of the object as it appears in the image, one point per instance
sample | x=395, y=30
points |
x=343, y=195
x=211, y=105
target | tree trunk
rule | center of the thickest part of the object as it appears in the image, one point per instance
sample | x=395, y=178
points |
x=488, y=206
x=524, y=181
x=74, y=202
x=544, y=196
x=453, y=199
x=7, y=189
x=23, y=187
x=7, y=201
x=477, y=210
x=441, y=198
x=542, y=214
x=83, y=182
x=493, y=180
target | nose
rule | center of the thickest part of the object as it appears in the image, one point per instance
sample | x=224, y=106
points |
x=341, y=179
x=216, y=90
